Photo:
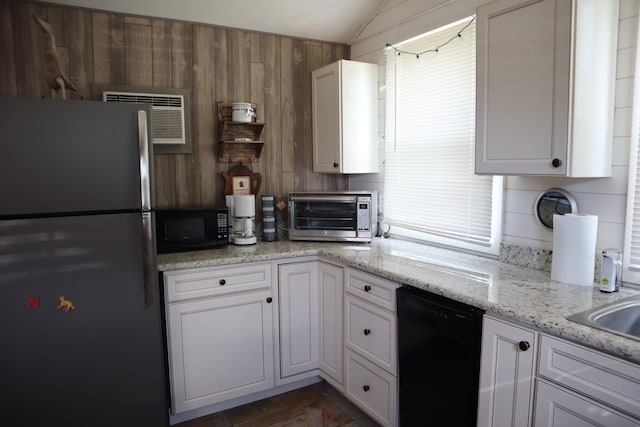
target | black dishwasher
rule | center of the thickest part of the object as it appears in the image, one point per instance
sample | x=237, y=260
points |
x=438, y=359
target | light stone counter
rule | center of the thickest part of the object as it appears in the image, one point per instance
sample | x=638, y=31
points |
x=522, y=294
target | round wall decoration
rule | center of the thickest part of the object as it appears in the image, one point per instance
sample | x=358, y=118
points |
x=553, y=201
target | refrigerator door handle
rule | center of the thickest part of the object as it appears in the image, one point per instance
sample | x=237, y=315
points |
x=143, y=142
x=148, y=253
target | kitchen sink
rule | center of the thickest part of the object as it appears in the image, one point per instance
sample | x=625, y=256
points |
x=621, y=317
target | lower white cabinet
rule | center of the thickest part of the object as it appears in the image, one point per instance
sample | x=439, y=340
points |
x=370, y=345
x=371, y=331
x=574, y=385
x=507, y=373
x=559, y=407
x=371, y=388
x=600, y=377
x=220, y=348
x=299, y=339
x=331, y=297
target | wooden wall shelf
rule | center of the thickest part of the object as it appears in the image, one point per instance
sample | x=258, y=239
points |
x=238, y=142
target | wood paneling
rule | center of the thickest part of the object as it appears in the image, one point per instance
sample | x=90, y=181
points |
x=216, y=64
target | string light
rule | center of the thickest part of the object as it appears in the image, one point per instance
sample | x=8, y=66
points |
x=435, y=49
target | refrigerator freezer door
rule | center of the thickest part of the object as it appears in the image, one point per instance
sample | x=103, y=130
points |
x=68, y=156
x=78, y=345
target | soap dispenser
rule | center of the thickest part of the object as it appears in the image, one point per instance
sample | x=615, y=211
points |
x=610, y=270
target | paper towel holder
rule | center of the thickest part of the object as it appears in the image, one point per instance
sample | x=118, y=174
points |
x=553, y=201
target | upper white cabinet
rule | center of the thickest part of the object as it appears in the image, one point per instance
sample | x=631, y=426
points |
x=545, y=87
x=345, y=118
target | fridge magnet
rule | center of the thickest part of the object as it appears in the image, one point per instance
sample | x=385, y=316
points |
x=65, y=305
x=33, y=302
x=241, y=185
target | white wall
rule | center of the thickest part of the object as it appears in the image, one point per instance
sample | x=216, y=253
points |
x=605, y=197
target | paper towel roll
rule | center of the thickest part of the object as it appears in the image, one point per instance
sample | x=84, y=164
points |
x=574, y=248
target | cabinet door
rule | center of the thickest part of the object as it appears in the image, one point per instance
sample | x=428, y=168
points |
x=325, y=92
x=345, y=117
x=331, y=287
x=507, y=368
x=557, y=407
x=219, y=349
x=298, y=288
x=522, y=98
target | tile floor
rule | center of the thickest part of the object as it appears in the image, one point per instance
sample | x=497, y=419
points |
x=318, y=405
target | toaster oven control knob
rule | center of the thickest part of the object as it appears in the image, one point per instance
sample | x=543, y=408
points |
x=524, y=345
x=367, y=288
x=269, y=299
x=222, y=282
x=335, y=164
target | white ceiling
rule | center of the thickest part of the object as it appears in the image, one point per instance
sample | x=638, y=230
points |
x=327, y=20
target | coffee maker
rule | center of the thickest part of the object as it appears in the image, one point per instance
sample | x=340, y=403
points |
x=242, y=213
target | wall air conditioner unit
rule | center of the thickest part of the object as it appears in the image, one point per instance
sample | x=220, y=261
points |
x=167, y=114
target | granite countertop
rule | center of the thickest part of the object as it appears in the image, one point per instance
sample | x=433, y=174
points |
x=522, y=294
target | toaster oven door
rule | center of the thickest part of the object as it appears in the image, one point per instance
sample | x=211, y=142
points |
x=332, y=218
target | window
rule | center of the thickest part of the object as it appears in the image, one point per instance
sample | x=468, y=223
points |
x=631, y=251
x=430, y=189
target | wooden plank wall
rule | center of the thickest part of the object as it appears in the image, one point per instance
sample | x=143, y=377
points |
x=214, y=63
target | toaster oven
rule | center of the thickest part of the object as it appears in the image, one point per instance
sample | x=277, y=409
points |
x=332, y=216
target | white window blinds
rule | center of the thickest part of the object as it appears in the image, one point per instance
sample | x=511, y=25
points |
x=429, y=183
x=631, y=271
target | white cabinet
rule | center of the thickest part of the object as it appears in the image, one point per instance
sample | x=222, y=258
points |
x=299, y=339
x=600, y=377
x=370, y=342
x=558, y=407
x=220, y=343
x=330, y=289
x=345, y=118
x=545, y=87
x=371, y=331
x=507, y=373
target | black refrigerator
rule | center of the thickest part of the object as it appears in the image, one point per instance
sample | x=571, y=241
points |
x=81, y=336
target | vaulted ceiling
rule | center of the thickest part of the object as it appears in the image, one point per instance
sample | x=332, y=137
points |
x=327, y=20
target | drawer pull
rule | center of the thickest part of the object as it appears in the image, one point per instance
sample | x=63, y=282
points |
x=367, y=288
x=367, y=331
x=524, y=345
x=269, y=299
x=222, y=282
x=365, y=388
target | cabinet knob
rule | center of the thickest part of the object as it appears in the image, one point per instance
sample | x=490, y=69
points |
x=222, y=282
x=524, y=345
x=269, y=299
x=367, y=288
x=556, y=163
x=367, y=331
x=365, y=387
x=335, y=165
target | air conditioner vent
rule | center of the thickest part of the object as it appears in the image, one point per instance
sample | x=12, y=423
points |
x=167, y=114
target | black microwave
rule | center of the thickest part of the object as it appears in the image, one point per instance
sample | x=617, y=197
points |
x=191, y=228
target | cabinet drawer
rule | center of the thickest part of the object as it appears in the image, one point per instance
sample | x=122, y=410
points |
x=371, y=288
x=558, y=407
x=371, y=332
x=195, y=283
x=371, y=388
x=590, y=372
